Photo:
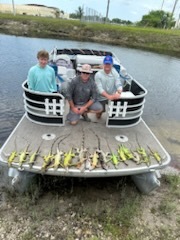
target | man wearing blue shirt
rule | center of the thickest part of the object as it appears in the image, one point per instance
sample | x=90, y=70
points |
x=41, y=77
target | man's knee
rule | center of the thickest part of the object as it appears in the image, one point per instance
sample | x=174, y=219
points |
x=96, y=107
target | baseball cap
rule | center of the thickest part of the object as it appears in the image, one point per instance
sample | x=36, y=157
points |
x=108, y=60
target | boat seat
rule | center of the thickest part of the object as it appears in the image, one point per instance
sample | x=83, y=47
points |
x=66, y=73
x=62, y=70
x=64, y=61
x=71, y=73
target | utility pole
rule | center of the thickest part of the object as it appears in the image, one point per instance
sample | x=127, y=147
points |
x=162, y=5
x=174, y=7
x=14, y=12
x=177, y=25
x=107, y=11
x=172, y=13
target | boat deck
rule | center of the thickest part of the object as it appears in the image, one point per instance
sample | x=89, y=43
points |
x=87, y=134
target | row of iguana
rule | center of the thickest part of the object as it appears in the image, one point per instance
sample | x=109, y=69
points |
x=82, y=159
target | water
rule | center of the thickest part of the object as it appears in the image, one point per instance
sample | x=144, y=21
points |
x=159, y=74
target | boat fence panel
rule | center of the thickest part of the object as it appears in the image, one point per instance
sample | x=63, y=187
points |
x=117, y=109
x=54, y=107
x=52, y=114
x=122, y=114
x=44, y=108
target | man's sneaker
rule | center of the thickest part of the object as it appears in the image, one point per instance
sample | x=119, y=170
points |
x=85, y=117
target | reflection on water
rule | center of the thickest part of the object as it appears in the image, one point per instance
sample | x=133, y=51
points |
x=158, y=73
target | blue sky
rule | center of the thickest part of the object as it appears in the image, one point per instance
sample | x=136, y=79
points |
x=132, y=10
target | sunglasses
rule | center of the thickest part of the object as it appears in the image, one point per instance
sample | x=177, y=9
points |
x=85, y=73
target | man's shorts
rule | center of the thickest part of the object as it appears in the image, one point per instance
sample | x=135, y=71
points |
x=74, y=117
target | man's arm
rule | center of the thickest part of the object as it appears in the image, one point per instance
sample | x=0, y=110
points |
x=98, y=83
x=73, y=108
x=118, y=83
x=82, y=109
x=86, y=106
x=102, y=91
x=54, y=81
x=30, y=80
x=89, y=103
x=69, y=96
x=69, y=92
x=106, y=95
x=100, y=88
x=110, y=97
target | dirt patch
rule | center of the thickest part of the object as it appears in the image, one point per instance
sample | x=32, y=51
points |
x=159, y=218
x=93, y=209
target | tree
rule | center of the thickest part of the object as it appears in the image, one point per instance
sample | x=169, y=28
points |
x=80, y=12
x=78, y=15
x=73, y=15
x=57, y=14
x=157, y=19
x=61, y=14
x=119, y=21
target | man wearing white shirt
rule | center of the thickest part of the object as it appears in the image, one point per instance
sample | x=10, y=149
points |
x=108, y=83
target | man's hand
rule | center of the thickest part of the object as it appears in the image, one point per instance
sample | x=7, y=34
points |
x=79, y=110
x=82, y=109
x=119, y=91
x=114, y=96
x=76, y=110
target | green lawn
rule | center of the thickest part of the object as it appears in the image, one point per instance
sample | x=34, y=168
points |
x=152, y=39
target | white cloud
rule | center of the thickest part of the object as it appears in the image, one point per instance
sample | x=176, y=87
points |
x=123, y=2
x=134, y=12
x=149, y=7
x=126, y=2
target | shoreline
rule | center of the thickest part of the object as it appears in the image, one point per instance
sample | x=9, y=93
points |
x=155, y=40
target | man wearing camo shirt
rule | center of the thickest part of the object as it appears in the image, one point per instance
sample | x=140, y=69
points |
x=82, y=95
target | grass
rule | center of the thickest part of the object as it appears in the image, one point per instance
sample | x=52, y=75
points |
x=113, y=216
x=174, y=183
x=55, y=24
x=166, y=233
x=111, y=206
x=157, y=40
x=166, y=206
x=118, y=222
x=178, y=219
x=144, y=30
x=27, y=236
